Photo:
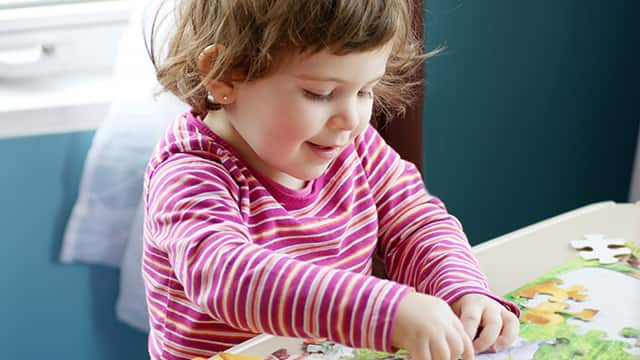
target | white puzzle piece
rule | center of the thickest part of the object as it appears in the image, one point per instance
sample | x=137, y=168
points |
x=600, y=249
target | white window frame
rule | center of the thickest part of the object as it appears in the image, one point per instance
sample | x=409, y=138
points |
x=63, y=14
x=69, y=90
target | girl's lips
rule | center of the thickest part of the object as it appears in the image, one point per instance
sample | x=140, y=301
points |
x=325, y=152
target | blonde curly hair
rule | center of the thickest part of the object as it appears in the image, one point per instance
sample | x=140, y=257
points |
x=253, y=32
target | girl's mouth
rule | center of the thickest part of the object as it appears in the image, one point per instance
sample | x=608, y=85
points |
x=323, y=151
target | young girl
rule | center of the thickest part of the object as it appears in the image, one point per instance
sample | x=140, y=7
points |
x=266, y=203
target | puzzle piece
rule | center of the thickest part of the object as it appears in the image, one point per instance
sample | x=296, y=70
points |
x=229, y=356
x=548, y=313
x=280, y=354
x=631, y=333
x=550, y=287
x=603, y=249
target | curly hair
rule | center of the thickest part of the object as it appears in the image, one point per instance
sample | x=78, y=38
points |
x=253, y=32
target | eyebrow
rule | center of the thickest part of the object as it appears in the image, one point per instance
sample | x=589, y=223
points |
x=331, y=79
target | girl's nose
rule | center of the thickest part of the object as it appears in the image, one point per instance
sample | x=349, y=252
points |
x=347, y=118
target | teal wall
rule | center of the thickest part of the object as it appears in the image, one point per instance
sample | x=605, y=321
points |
x=532, y=109
x=49, y=310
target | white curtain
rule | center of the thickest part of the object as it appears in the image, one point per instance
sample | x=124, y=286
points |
x=105, y=226
x=635, y=178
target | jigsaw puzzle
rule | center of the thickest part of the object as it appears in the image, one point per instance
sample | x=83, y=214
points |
x=595, y=316
x=550, y=287
x=551, y=313
x=551, y=310
x=597, y=247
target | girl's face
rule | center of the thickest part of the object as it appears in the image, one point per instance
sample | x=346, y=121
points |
x=293, y=122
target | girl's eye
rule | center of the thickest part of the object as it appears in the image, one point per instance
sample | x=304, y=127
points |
x=366, y=94
x=317, y=97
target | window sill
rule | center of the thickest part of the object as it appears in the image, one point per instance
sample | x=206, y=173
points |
x=54, y=104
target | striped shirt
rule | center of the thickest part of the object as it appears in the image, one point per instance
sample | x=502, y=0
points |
x=229, y=253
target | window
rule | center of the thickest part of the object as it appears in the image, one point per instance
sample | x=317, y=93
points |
x=54, y=36
x=56, y=55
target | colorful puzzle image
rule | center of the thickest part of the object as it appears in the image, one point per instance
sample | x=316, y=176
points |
x=586, y=309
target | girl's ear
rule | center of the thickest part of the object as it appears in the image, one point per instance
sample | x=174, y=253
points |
x=222, y=90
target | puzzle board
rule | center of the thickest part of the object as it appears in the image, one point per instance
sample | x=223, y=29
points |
x=581, y=310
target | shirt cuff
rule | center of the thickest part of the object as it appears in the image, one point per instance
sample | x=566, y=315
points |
x=481, y=291
x=381, y=340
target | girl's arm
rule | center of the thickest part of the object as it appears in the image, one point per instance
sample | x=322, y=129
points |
x=421, y=243
x=194, y=218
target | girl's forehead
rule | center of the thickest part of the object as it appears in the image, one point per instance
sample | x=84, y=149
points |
x=328, y=64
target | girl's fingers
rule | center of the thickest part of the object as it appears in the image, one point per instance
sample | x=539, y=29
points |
x=466, y=350
x=456, y=347
x=439, y=348
x=422, y=353
x=467, y=347
x=510, y=329
x=460, y=346
x=470, y=319
x=491, y=328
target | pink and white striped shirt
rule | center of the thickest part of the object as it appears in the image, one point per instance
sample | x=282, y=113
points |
x=230, y=253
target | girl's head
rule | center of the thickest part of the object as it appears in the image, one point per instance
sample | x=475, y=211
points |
x=256, y=35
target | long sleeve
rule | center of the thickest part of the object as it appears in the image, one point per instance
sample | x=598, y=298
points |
x=422, y=244
x=196, y=224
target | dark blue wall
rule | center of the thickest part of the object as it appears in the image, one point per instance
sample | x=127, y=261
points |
x=532, y=109
x=49, y=310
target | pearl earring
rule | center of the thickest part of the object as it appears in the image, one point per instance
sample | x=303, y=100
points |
x=212, y=99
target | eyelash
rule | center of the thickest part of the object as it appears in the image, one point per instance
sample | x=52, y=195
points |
x=324, y=98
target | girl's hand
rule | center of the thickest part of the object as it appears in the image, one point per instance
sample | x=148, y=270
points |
x=488, y=322
x=426, y=327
